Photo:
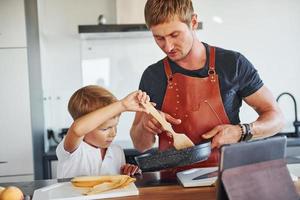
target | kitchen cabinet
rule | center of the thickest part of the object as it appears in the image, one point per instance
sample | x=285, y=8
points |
x=15, y=132
x=16, y=155
x=12, y=24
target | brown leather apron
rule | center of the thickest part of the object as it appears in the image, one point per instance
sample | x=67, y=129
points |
x=198, y=103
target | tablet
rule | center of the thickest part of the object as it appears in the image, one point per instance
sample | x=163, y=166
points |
x=245, y=153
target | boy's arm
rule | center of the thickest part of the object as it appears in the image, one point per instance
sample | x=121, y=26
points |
x=90, y=122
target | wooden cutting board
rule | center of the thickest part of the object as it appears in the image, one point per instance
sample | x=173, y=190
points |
x=66, y=191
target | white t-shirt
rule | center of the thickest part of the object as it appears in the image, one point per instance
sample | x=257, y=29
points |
x=86, y=161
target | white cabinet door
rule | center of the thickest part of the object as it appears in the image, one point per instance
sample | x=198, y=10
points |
x=15, y=122
x=12, y=23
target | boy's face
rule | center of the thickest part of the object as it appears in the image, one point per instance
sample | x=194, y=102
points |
x=103, y=136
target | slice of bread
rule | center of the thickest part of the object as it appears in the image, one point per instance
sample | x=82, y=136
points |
x=116, y=183
x=88, y=181
x=98, y=184
x=91, y=181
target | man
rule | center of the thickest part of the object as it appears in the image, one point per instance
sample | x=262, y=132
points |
x=199, y=88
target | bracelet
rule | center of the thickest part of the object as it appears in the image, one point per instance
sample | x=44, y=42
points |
x=242, y=133
x=251, y=127
x=248, y=132
x=247, y=126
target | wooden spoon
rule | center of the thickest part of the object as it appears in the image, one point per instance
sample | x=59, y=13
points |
x=180, y=140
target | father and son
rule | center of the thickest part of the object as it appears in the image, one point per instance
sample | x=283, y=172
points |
x=198, y=88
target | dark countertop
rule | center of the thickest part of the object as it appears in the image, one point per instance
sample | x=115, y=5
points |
x=293, y=141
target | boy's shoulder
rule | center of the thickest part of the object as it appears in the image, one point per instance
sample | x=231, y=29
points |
x=61, y=153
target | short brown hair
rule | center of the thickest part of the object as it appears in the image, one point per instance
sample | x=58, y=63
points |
x=88, y=99
x=161, y=11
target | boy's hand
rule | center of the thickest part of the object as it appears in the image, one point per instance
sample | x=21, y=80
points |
x=133, y=101
x=130, y=170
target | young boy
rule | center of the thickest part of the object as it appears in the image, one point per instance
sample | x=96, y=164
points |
x=87, y=150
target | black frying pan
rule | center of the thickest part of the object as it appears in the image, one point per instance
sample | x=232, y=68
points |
x=173, y=158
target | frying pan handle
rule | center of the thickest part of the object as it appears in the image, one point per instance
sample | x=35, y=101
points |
x=163, y=122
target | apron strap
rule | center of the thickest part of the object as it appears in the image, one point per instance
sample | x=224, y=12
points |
x=212, y=69
x=168, y=70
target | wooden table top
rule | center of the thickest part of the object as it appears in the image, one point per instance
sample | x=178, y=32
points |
x=177, y=192
x=173, y=192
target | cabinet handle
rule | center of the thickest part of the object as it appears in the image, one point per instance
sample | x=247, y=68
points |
x=3, y=162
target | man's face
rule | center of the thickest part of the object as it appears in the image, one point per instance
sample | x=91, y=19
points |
x=103, y=136
x=175, y=38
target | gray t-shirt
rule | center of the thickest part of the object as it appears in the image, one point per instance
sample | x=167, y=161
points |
x=237, y=76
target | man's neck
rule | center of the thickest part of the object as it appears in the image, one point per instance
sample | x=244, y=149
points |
x=196, y=58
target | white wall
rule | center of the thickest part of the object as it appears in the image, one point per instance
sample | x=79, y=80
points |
x=60, y=51
x=266, y=32
x=128, y=57
x=130, y=11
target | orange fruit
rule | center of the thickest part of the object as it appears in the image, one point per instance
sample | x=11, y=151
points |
x=11, y=193
x=1, y=189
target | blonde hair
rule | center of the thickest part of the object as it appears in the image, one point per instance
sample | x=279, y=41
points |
x=161, y=11
x=88, y=99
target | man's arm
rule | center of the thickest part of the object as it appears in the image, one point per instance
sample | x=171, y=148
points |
x=142, y=139
x=269, y=122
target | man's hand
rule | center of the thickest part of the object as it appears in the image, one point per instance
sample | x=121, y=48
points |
x=145, y=128
x=130, y=170
x=223, y=134
x=153, y=126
